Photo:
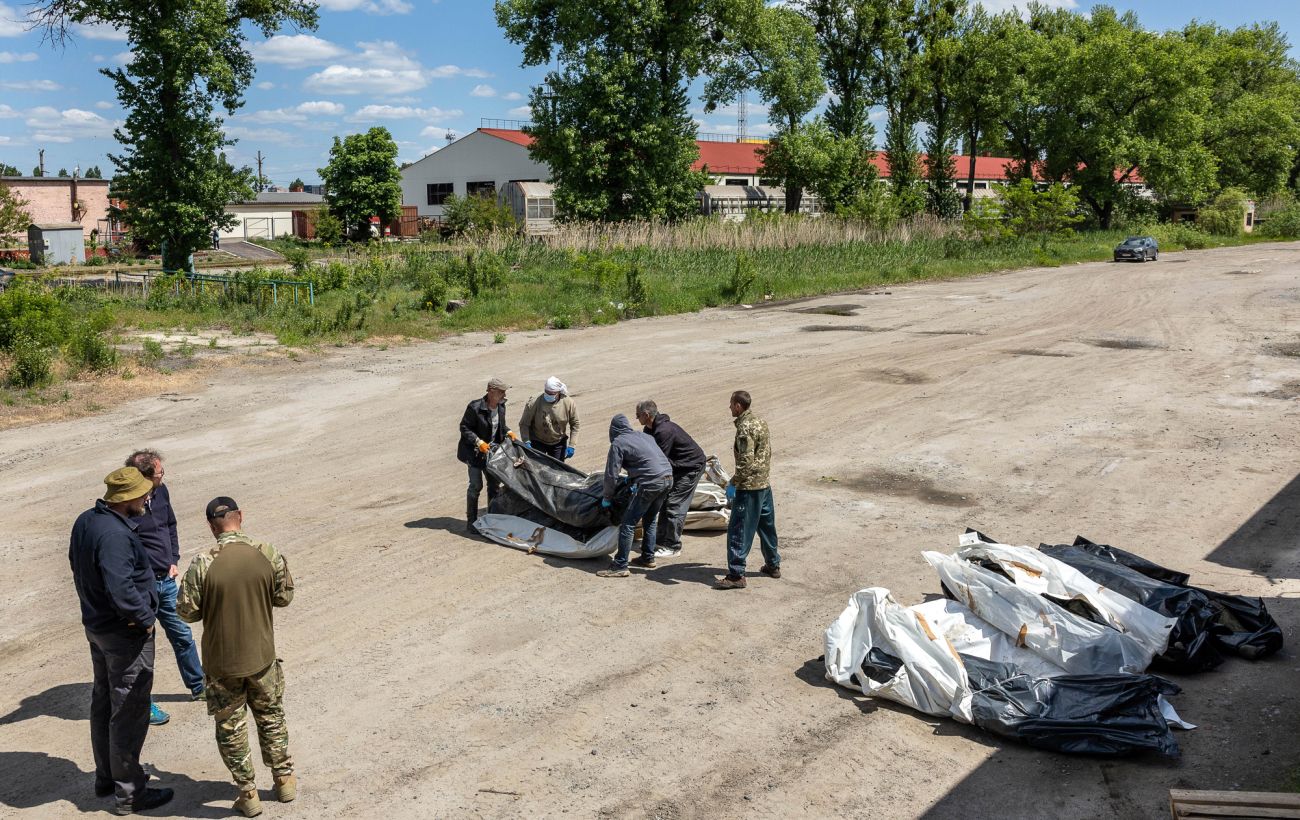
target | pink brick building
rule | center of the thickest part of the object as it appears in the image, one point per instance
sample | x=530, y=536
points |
x=63, y=199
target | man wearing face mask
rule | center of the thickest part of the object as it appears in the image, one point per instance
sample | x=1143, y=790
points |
x=550, y=421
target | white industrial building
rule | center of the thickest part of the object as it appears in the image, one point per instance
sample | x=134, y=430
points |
x=269, y=214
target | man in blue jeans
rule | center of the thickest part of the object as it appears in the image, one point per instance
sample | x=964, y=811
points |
x=750, y=493
x=157, y=531
x=651, y=475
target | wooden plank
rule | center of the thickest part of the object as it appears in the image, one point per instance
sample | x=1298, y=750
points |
x=1206, y=812
x=1231, y=798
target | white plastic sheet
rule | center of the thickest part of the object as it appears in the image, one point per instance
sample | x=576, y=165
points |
x=525, y=535
x=1043, y=575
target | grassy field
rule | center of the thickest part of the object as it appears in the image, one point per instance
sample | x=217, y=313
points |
x=583, y=276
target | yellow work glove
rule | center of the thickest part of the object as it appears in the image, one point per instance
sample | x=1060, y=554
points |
x=512, y=435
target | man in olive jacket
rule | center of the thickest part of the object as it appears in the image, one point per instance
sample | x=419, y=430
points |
x=483, y=425
x=750, y=492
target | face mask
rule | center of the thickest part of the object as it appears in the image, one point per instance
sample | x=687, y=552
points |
x=551, y=399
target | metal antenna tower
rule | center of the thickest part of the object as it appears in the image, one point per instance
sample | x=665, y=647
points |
x=742, y=118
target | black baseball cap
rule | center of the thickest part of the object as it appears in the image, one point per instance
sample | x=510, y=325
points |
x=221, y=505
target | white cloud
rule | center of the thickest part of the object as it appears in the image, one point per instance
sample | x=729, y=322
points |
x=402, y=112
x=100, y=31
x=297, y=51
x=266, y=85
x=299, y=113
x=444, y=71
x=104, y=105
x=521, y=111
x=368, y=6
x=341, y=79
x=274, y=135
x=31, y=85
x=49, y=124
x=6, y=112
x=5, y=140
x=11, y=21
x=438, y=131
x=996, y=6
x=123, y=57
x=320, y=107
x=513, y=96
x=14, y=57
x=482, y=90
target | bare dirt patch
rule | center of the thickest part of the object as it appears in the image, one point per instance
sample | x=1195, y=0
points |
x=1290, y=349
x=1125, y=344
x=1287, y=391
x=908, y=485
x=892, y=375
x=1034, y=351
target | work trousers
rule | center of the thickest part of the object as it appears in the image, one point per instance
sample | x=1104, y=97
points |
x=555, y=450
x=752, y=512
x=477, y=478
x=119, y=710
x=229, y=700
x=676, y=505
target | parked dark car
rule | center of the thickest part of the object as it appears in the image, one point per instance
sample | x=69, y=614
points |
x=1137, y=249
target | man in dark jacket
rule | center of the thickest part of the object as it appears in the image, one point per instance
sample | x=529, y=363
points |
x=118, y=599
x=688, y=465
x=483, y=425
x=650, y=474
x=157, y=531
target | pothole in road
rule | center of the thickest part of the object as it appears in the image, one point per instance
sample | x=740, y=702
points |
x=893, y=375
x=1288, y=391
x=1125, y=344
x=907, y=485
x=1033, y=351
x=832, y=310
x=1285, y=349
x=1240, y=272
x=854, y=328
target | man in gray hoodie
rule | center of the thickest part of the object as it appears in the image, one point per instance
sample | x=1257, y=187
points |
x=651, y=475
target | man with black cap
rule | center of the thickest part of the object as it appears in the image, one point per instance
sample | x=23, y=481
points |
x=483, y=425
x=119, y=600
x=233, y=588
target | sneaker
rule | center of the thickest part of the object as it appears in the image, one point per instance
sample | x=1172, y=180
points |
x=730, y=582
x=666, y=552
x=613, y=573
x=157, y=717
x=770, y=570
x=644, y=562
x=286, y=787
x=146, y=800
x=202, y=694
x=248, y=804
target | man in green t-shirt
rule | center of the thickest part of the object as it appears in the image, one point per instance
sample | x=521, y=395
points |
x=233, y=588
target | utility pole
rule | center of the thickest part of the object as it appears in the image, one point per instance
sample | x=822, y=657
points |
x=41, y=164
x=260, y=186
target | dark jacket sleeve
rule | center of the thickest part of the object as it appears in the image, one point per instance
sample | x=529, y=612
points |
x=117, y=556
x=613, y=464
x=171, y=527
x=469, y=426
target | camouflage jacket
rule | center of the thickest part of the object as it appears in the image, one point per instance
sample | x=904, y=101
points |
x=189, y=601
x=753, y=450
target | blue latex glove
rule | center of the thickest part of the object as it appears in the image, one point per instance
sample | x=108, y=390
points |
x=634, y=489
x=605, y=504
x=731, y=492
x=568, y=452
x=528, y=444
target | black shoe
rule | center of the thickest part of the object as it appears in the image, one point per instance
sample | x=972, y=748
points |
x=643, y=561
x=770, y=571
x=149, y=799
x=105, y=790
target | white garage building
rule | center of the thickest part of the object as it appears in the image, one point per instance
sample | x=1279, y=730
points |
x=269, y=214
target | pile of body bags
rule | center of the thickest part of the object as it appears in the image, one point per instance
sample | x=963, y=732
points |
x=1050, y=646
x=549, y=507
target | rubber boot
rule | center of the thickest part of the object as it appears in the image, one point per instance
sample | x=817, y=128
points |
x=248, y=804
x=471, y=515
x=286, y=787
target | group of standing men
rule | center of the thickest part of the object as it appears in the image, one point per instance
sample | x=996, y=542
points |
x=663, y=467
x=125, y=553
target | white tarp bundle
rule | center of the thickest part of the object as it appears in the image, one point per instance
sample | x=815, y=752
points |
x=1043, y=575
x=525, y=535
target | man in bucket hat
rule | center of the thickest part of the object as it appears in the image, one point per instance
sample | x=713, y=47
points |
x=119, y=600
x=233, y=589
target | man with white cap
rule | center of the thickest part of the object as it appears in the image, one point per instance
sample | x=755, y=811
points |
x=550, y=421
x=483, y=425
x=119, y=602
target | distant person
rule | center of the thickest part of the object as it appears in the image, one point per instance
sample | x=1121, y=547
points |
x=550, y=423
x=233, y=589
x=483, y=425
x=650, y=475
x=751, y=497
x=119, y=597
x=157, y=531
x=688, y=465
x=216, y=240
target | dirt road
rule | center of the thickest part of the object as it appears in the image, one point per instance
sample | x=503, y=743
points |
x=432, y=675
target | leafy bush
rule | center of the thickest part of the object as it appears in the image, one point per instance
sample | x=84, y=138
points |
x=27, y=311
x=151, y=353
x=300, y=261
x=469, y=215
x=89, y=349
x=31, y=364
x=742, y=279
x=1183, y=235
x=1281, y=224
x=636, y=293
x=1226, y=215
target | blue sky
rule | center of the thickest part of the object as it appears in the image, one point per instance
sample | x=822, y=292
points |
x=422, y=68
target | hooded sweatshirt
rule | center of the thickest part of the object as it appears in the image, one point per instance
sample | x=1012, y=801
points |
x=636, y=452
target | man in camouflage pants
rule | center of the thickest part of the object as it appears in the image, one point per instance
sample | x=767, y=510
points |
x=750, y=493
x=232, y=588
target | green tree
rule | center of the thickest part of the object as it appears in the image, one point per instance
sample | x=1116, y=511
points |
x=478, y=214
x=845, y=30
x=1225, y=215
x=942, y=23
x=37, y=172
x=7, y=170
x=772, y=49
x=974, y=90
x=1046, y=214
x=63, y=172
x=93, y=172
x=14, y=216
x=363, y=180
x=187, y=58
x=1252, y=120
x=836, y=168
x=297, y=185
x=612, y=122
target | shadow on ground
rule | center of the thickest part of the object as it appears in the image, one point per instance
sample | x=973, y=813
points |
x=35, y=780
x=67, y=701
x=1268, y=543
